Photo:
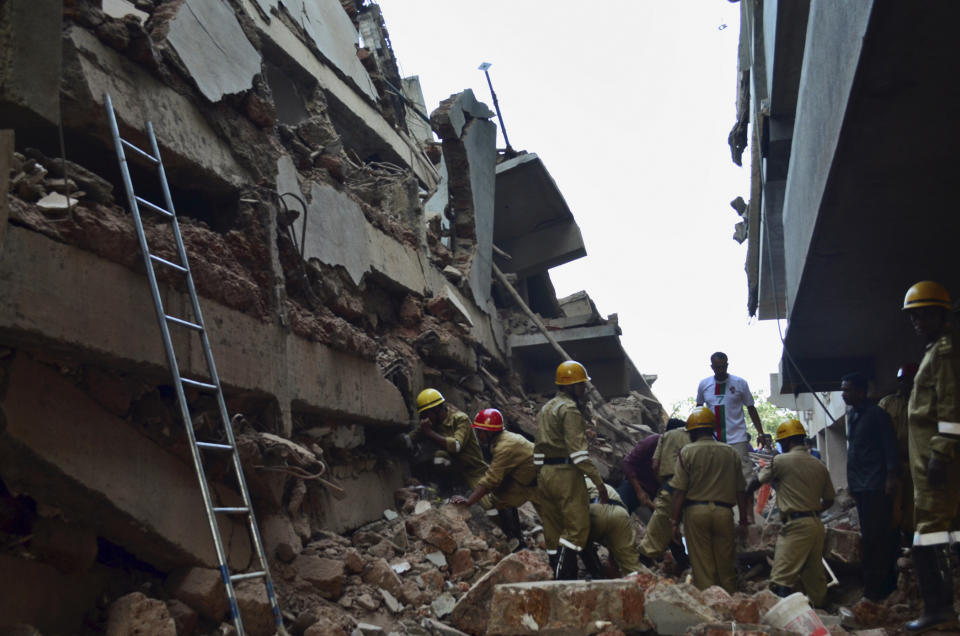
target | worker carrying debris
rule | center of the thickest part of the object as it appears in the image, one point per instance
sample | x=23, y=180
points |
x=561, y=453
x=804, y=490
x=511, y=479
x=659, y=531
x=449, y=429
x=707, y=482
x=610, y=526
x=934, y=418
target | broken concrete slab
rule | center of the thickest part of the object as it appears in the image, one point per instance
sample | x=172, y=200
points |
x=567, y=607
x=673, y=609
x=325, y=575
x=474, y=608
x=29, y=83
x=120, y=8
x=56, y=202
x=450, y=118
x=202, y=590
x=213, y=48
x=193, y=153
x=143, y=497
x=443, y=604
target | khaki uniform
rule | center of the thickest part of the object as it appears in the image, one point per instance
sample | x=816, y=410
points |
x=659, y=530
x=896, y=407
x=802, y=481
x=709, y=471
x=512, y=478
x=561, y=437
x=610, y=526
x=461, y=449
x=934, y=418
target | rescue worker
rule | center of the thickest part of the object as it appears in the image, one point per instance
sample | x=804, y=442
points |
x=707, y=482
x=933, y=413
x=561, y=452
x=895, y=405
x=510, y=480
x=450, y=430
x=610, y=526
x=659, y=531
x=804, y=490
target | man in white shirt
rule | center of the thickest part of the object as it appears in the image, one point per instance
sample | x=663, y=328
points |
x=726, y=395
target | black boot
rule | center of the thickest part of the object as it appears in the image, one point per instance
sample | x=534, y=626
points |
x=781, y=590
x=679, y=555
x=509, y=520
x=936, y=588
x=592, y=562
x=553, y=558
x=566, y=568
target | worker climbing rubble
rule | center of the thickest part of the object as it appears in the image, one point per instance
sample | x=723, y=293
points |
x=804, y=490
x=561, y=452
x=510, y=480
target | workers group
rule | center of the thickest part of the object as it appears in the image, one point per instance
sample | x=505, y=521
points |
x=694, y=476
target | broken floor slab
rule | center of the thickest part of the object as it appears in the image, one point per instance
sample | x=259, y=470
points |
x=568, y=607
x=533, y=223
x=213, y=48
x=102, y=311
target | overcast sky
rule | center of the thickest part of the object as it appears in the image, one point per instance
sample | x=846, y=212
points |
x=628, y=103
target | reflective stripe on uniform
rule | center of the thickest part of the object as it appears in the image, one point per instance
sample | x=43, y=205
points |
x=456, y=446
x=950, y=428
x=493, y=512
x=932, y=538
x=551, y=552
x=569, y=544
x=441, y=461
x=582, y=458
x=576, y=454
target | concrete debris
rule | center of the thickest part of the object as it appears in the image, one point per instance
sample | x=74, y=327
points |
x=443, y=604
x=673, y=609
x=390, y=515
x=137, y=614
x=202, y=590
x=437, y=559
x=56, y=202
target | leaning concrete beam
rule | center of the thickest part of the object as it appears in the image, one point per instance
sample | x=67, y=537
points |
x=61, y=448
x=519, y=341
x=102, y=311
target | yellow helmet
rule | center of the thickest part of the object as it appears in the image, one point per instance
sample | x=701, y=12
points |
x=700, y=417
x=927, y=293
x=427, y=399
x=571, y=372
x=790, y=428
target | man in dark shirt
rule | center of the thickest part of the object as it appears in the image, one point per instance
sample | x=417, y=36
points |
x=872, y=467
x=640, y=483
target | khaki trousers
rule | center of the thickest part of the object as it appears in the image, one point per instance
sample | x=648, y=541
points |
x=797, y=561
x=711, y=543
x=564, y=506
x=659, y=529
x=610, y=525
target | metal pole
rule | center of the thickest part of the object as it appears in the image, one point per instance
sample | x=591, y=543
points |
x=496, y=104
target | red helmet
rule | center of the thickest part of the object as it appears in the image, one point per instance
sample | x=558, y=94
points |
x=489, y=420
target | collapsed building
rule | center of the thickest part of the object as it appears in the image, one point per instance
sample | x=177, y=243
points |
x=345, y=259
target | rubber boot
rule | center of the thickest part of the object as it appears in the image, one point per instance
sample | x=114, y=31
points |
x=781, y=590
x=553, y=558
x=680, y=556
x=936, y=588
x=509, y=520
x=592, y=562
x=566, y=568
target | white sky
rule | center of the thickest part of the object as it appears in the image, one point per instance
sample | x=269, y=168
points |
x=628, y=103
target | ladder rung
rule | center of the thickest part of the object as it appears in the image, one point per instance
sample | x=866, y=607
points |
x=249, y=575
x=171, y=264
x=199, y=385
x=183, y=323
x=142, y=153
x=153, y=206
x=213, y=446
x=232, y=511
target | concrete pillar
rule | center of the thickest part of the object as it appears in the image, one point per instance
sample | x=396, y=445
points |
x=29, y=80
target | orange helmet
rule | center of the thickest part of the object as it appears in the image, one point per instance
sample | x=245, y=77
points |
x=488, y=420
x=571, y=372
x=927, y=293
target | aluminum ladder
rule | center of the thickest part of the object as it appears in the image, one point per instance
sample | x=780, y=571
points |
x=212, y=385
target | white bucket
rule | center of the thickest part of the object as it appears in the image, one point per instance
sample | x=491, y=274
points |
x=794, y=614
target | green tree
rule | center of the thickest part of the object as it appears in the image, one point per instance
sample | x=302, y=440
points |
x=770, y=414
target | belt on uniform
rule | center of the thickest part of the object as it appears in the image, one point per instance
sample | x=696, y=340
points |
x=550, y=461
x=694, y=502
x=790, y=516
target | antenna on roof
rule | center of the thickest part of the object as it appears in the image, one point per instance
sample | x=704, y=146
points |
x=484, y=67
